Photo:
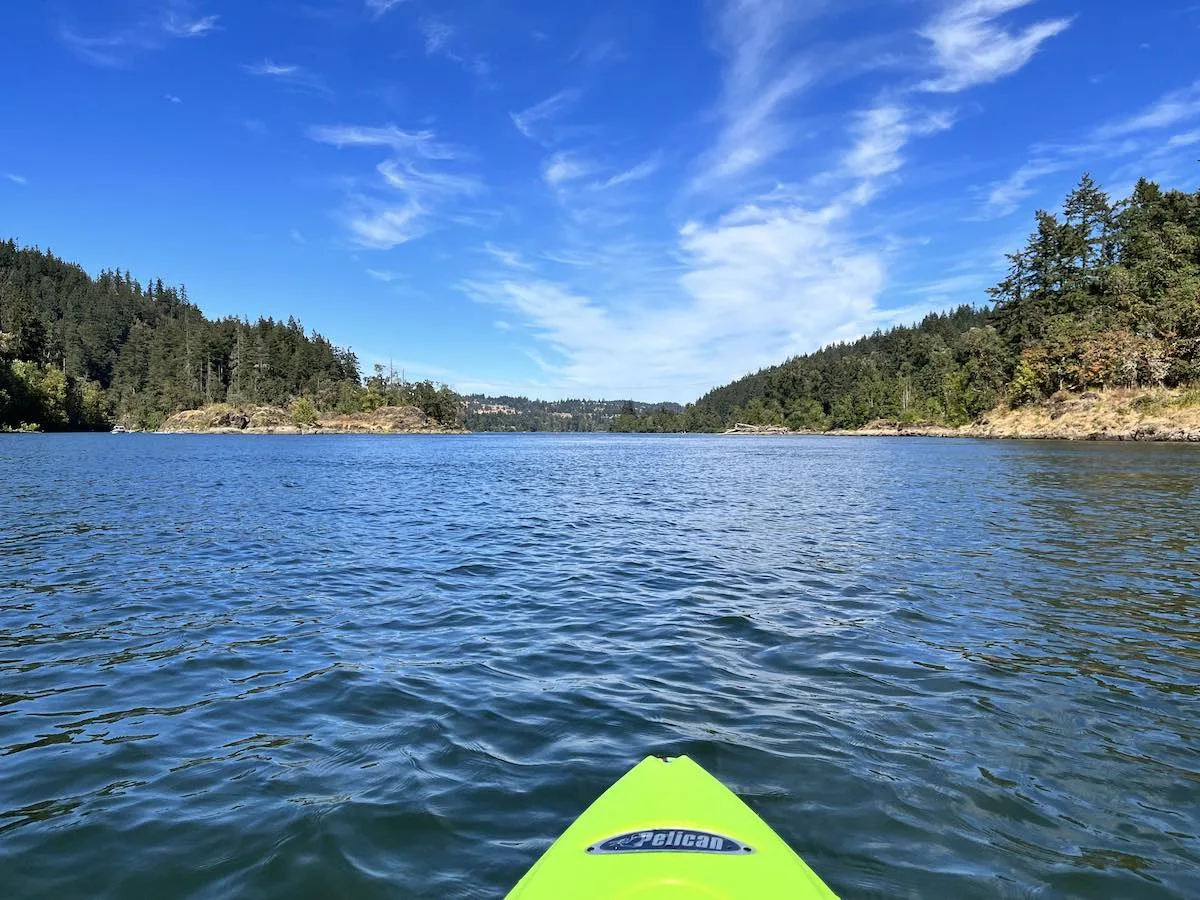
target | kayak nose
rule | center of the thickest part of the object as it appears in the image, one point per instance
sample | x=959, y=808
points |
x=669, y=831
x=673, y=889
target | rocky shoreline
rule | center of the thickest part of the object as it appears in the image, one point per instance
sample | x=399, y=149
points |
x=225, y=419
x=1117, y=415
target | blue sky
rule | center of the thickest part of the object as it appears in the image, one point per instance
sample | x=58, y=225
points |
x=598, y=199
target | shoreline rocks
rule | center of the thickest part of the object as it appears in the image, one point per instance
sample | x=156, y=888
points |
x=743, y=428
x=224, y=419
x=1139, y=415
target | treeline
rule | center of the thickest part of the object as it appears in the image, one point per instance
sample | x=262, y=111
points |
x=949, y=368
x=78, y=352
x=506, y=413
x=664, y=418
x=1102, y=294
x=1106, y=295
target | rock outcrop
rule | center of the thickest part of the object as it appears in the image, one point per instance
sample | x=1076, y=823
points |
x=224, y=419
x=743, y=428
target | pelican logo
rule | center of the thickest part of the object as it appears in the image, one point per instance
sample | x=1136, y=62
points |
x=669, y=840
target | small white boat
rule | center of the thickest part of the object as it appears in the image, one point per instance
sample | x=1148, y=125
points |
x=120, y=429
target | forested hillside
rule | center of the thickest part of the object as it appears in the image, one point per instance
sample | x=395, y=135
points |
x=1102, y=294
x=78, y=352
x=950, y=367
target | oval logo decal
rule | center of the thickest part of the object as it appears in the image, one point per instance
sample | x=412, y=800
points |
x=669, y=840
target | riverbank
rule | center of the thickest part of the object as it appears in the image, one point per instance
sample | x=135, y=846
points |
x=221, y=418
x=1125, y=414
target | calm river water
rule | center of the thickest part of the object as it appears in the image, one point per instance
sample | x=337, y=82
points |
x=398, y=667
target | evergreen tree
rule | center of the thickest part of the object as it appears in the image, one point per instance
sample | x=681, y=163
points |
x=81, y=352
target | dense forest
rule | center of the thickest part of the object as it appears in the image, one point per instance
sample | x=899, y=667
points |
x=78, y=352
x=1103, y=294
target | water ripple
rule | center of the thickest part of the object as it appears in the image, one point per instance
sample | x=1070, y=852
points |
x=399, y=666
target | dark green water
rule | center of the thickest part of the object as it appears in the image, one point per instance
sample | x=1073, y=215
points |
x=398, y=667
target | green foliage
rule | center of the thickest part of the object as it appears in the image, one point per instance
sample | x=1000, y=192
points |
x=384, y=388
x=950, y=366
x=79, y=352
x=1105, y=295
x=349, y=399
x=304, y=414
x=1029, y=381
x=665, y=418
x=521, y=414
x=807, y=415
x=40, y=395
x=1190, y=397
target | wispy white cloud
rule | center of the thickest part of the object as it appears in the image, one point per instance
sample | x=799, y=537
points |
x=405, y=177
x=782, y=271
x=656, y=310
x=173, y=20
x=1136, y=136
x=882, y=132
x=598, y=202
x=765, y=76
x=639, y=172
x=271, y=69
x=760, y=78
x=289, y=75
x=382, y=227
x=387, y=276
x=171, y=98
x=569, y=258
x=1186, y=139
x=178, y=23
x=563, y=167
x=970, y=47
x=378, y=7
x=1005, y=197
x=421, y=143
x=764, y=281
x=106, y=50
x=404, y=199
x=15, y=178
x=598, y=52
x=963, y=287
x=509, y=258
x=437, y=34
x=1176, y=107
x=528, y=120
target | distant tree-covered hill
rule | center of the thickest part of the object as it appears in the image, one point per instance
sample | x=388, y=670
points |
x=78, y=352
x=483, y=413
x=1103, y=294
x=950, y=366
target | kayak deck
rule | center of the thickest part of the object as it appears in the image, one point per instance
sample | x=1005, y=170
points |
x=668, y=830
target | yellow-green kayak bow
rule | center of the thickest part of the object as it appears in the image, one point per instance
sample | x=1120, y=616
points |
x=669, y=831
